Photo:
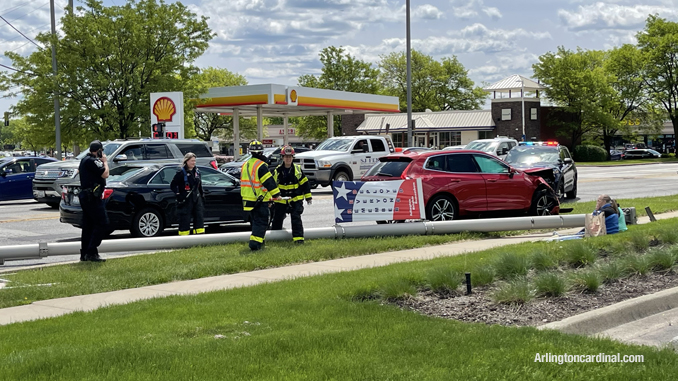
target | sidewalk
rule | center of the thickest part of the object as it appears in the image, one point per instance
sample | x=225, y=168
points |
x=57, y=307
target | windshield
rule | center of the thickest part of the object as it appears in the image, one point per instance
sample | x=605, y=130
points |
x=335, y=145
x=389, y=168
x=109, y=148
x=532, y=156
x=483, y=146
x=267, y=152
x=122, y=173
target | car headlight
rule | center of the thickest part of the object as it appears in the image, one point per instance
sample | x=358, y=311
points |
x=68, y=173
x=324, y=164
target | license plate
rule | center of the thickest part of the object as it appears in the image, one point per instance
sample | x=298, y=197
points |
x=40, y=194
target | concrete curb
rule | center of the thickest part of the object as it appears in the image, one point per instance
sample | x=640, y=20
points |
x=602, y=319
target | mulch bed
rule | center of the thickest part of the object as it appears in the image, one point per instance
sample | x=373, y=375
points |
x=480, y=308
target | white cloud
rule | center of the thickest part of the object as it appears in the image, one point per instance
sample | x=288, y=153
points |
x=611, y=16
x=493, y=13
x=427, y=11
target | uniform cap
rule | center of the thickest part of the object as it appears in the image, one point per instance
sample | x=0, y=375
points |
x=95, y=146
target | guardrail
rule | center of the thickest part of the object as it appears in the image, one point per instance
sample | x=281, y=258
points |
x=42, y=250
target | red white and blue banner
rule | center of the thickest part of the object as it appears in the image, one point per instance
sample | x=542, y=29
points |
x=378, y=200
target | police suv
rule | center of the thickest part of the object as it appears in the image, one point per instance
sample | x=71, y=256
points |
x=343, y=158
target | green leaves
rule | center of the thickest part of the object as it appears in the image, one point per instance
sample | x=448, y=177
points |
x=437, y=86
x=109, y=60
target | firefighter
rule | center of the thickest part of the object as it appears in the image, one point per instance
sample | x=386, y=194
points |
x=257, y=189
x=294, y=188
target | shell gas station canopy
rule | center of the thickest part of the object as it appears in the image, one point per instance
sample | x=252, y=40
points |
x=271, y=100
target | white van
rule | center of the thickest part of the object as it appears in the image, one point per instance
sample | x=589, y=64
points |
x=498, y=147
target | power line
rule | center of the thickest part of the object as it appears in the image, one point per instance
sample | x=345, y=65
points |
x=10, y=10
x=34, y=9
x=8, y=23
x=40, y=29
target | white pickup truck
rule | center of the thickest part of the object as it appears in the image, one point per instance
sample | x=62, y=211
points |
x=343, y=158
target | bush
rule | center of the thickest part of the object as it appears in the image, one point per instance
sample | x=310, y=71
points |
x=662, y=259
x=668, y=236
x=515, y=291
x=588, y=281
x=543, y=260
x=639, y=240
x=611, y=272
x=550, y=284
x=444, y=279
x=482, y=275
x=585, y=153
x=398, y=289
x=638, y=264
x=510, y=265
x=580, y=253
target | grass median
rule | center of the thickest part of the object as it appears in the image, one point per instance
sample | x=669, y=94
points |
x=27, y=286
x=627, y=162
x=309, y=329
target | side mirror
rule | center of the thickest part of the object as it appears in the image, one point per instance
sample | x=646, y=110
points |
x=6, y=171
x=567, y=160
x=511, y=172
x=121, y=157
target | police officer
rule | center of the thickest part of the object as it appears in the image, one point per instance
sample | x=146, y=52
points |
x=187, y=185
x=294, y=187
x=93, y=172
x=257, y=188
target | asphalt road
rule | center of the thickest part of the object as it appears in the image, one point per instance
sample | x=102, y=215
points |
x=24, y=222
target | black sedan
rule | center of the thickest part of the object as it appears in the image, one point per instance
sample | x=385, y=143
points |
x=641, y=154
x=138, y=198
x=552, y=162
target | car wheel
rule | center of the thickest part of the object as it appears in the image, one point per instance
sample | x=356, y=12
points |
x=573, y=192
x=147, y=223
x=543, y=202
x=441, y=208
x=341, y=176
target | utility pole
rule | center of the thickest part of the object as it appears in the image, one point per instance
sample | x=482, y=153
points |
x=57, y=118
x=409, y=77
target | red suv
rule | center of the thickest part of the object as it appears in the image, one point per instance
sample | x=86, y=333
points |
x=462, y=182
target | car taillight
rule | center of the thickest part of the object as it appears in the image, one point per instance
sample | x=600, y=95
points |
x=107, y=194
x=64, y=191
x=213, y=163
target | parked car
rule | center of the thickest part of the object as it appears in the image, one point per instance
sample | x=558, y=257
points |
x=464, y=182
x=16, y=175
x=552, y=162
x=498, y=147
x=641, y=154
x=138, y=198
x=454, y=148
x=272, y=153
x=50, y=178
x=616, y=155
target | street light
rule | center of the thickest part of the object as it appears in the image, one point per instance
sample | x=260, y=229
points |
x=409, y=75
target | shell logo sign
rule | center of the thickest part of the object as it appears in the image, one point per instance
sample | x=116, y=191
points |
x=167, y=108
x=164, y=109
x=293, y=96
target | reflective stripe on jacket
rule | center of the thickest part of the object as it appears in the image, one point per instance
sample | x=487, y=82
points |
x=256, y=181
x=295, y=185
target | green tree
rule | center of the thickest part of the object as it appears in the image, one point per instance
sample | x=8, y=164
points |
x=31, y=135
x=436, y=85
x=109, y=60
x=659, y=43
x=213, y=124
x=577, y=82
x=342, y=72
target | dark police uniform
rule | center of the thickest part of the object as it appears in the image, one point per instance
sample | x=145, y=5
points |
x=94, y=218
x=293, y=184
x=187, y=185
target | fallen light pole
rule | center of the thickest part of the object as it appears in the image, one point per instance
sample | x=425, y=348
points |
x=42, y=250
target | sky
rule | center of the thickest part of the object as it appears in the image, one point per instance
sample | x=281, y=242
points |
x=276, y=41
